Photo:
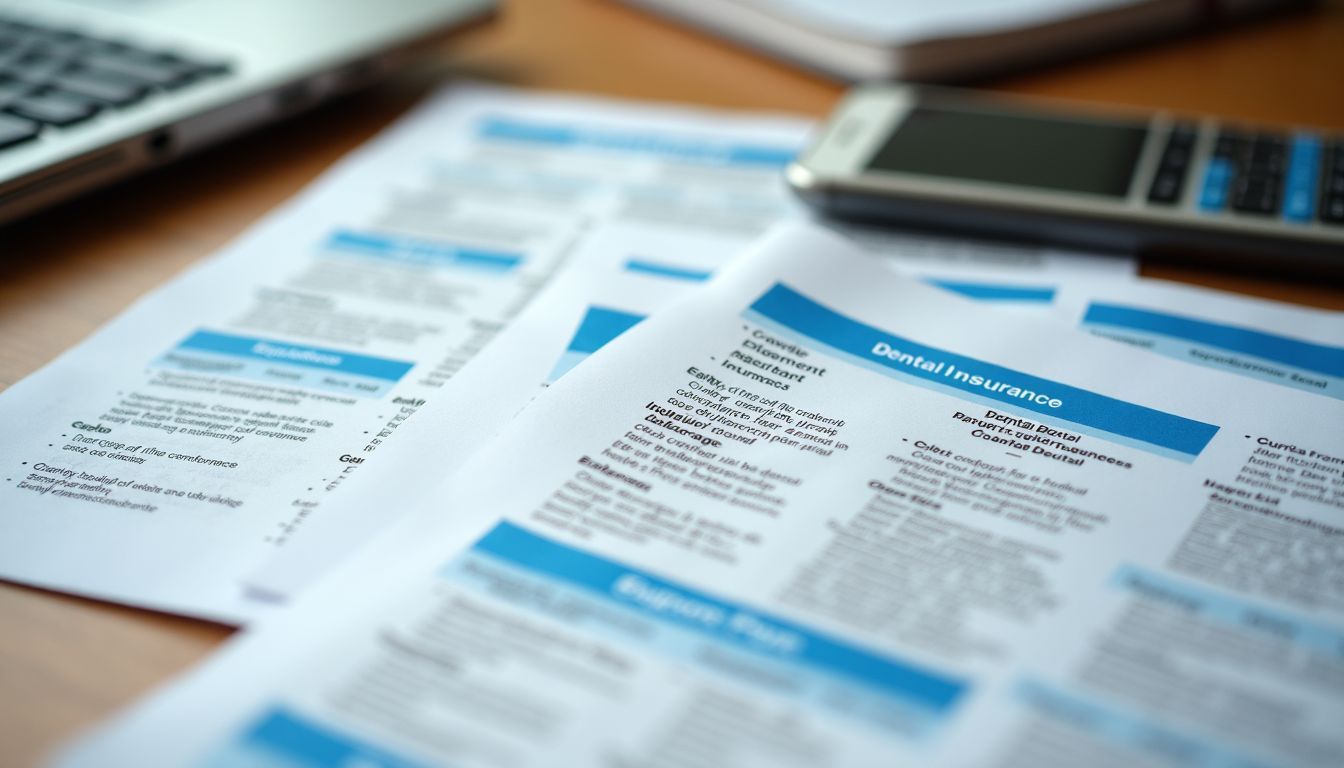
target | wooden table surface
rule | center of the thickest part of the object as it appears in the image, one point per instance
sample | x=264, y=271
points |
x=67, y=662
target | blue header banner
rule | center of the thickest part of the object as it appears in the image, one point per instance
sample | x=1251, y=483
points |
x=656, y=269
x=425, y=251
x=725, y=622
x=282, y=738
x=285, y=353
x=997, y=291
x=612, y=139
x=1305, y=355
x=874, y=347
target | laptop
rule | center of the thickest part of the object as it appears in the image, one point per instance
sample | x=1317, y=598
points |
x=93, y=90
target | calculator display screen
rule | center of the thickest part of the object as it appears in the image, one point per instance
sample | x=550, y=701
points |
x=1024, y=149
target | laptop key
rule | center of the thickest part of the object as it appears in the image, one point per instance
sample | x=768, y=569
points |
x=36, y=67
x=16, y=130
x=13, y=89
x=55, y=108
x=185, y=70
x=113, y=91
x=161, y=75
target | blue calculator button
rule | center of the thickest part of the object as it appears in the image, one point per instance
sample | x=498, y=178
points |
x=1299, y=189
x=1217, y=179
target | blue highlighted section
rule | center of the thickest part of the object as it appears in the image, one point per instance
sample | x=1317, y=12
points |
x=1217, y=181
x=656, y=269
x=1196, y=600
x=733, y=640
x=1146, y=428
x=283, y=363
x=281, y=738
x=1299, y=187
x=422, y=251
x=997, y=291
x=296, y=354
x=1304, y=365
x=598, y=327
x=617, y=140
x=1153, y=740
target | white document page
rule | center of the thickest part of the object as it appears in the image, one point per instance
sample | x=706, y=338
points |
x=669, y=194
x=1293, y=346
x=162, y=458
x=604, y=290
x=619, y=274
x=169, y=454
x=818, y=514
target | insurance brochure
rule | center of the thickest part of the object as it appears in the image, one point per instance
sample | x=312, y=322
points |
x=619, y=274
x=820, y=514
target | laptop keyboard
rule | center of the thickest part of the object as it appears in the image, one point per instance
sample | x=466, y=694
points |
x=53, y=77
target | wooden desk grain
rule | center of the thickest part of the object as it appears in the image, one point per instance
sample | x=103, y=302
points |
x=66, y=662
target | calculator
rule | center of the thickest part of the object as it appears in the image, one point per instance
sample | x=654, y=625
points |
x=1191, y=187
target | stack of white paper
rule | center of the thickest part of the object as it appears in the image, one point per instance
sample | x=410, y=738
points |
x=819, y=514
x=219, y=420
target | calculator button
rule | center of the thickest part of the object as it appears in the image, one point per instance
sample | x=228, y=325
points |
x=1183, y=134
x=1268, y=148
x=1334, y=184
x=1177, y=157
x=1332, y=212
x=1299, y=187
x=1166, y=188
x=1260, y=174
x=1255, y=196
x=1172, y=167
x=1217, y=180
x=1230, y=144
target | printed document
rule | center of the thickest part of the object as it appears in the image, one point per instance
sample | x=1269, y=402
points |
x=712, y=198
x=198, y=434
x=169, y=454
x=821, y=514
x=158, y=460
x=601, y=293
x=618, y=275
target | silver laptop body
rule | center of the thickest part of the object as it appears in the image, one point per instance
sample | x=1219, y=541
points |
x=92, y=90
